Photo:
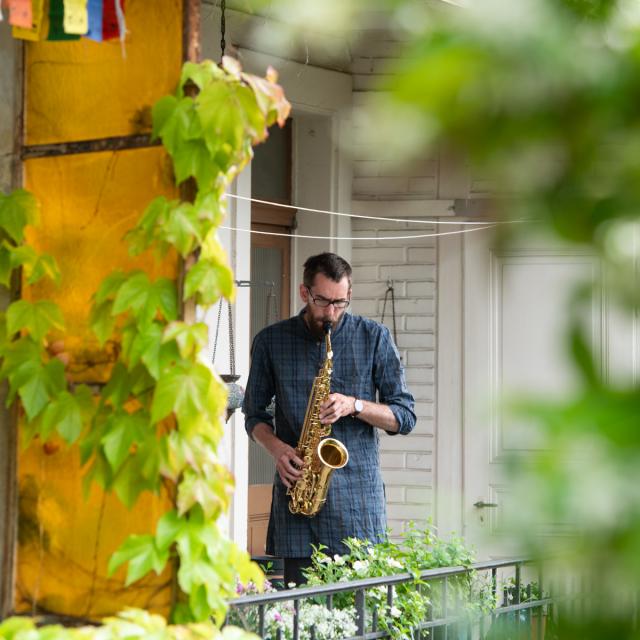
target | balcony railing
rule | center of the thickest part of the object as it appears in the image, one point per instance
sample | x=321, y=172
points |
x=514, y=587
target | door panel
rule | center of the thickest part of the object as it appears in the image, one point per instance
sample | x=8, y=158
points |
x=514, y=325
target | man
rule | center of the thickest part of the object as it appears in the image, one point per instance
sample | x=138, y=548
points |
x=368, y=394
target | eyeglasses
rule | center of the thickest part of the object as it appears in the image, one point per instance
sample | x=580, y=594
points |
x=323, y=302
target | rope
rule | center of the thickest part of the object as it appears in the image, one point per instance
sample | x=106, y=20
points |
x=356, y=215
x=419, y=235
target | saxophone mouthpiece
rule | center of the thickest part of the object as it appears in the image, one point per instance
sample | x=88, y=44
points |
x=327, y=327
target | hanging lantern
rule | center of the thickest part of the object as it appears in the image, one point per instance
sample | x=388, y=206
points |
x=235, y=391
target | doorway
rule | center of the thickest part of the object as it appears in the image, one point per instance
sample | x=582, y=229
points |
x=270, y=295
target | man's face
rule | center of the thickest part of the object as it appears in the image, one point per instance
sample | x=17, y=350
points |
x=323, y=290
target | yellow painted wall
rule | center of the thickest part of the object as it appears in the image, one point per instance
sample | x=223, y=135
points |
x=89, y=201
x=83, y=89
x=74, y=91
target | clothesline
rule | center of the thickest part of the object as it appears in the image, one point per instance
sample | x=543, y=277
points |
x=310, y=237
x=356, y=215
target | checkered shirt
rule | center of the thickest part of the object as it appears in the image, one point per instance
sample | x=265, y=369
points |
x=286, y=357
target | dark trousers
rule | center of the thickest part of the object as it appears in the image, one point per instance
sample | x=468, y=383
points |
x=293, y=570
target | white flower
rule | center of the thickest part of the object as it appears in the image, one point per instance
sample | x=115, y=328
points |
x=395, y=612
x=325, y=559
x=392, y=562
x=360, y=566
x=339, y=560
x=371, y=552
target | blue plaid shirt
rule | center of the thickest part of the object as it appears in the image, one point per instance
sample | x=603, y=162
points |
x=286, y=358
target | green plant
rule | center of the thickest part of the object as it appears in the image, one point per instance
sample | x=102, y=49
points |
x=468, y=595
x=327, y=624
x=156, y=424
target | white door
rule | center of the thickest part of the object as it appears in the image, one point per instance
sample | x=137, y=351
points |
x=515, y=304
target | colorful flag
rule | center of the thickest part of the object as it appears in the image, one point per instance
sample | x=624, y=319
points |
x=20, y=13
x=110, y=21
x=40, y=17
x=76, y=18
x=94, y=8
x=56, y=22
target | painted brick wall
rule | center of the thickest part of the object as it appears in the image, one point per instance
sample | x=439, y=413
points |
x=411, y=265
x=382, y=188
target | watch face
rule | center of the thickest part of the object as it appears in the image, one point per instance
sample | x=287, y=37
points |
x=358, y=406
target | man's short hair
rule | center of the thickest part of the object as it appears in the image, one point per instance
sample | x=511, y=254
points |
x=330, y=265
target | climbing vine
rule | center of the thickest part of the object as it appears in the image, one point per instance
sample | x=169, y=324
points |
x=156, y=425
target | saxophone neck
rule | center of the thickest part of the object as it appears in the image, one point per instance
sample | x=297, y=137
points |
x=327, y=340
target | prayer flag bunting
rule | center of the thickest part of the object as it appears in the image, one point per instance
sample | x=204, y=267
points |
x=76, y=19
x=20, y=14
x=56, y=25
x=40, y=13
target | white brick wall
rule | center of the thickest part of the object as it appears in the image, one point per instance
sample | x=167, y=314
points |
x=423, y=189
x=406, y=461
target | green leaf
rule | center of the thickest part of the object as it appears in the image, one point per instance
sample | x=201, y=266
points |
x=17, y=210
x=36, y=266
x=180, y=126
x=125, y=430
x=182, y=228
x=117, y=390
x=141, y=554
x=109, y=286
x=201, y=74
x=168, y=529
x=161, y=112
x=193, y=159
x=165, y=297
x=145, y=347
x=63, y=414
x=145, y=232
x=5, y=265
x=209, y=280
x=184, y=390
x=132, y=294
x=190, y=338
x=129, y=483
x=102, y=321
x=36, y=317
x=37, y=384
x=144, y=299
x=221, y=119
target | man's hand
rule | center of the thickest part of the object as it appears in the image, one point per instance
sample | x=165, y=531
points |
x=336, y=406
x=288, y=463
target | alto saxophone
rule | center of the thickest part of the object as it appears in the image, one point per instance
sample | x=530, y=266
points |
x=321, y=454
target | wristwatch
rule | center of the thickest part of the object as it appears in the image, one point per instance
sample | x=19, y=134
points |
x=358, y=406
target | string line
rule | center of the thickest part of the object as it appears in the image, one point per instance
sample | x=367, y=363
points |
x=356, y=215
x=421, y=235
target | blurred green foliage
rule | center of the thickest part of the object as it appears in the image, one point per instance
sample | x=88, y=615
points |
x=542, y=98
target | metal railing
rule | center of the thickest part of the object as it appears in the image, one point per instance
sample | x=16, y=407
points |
x=519, y=605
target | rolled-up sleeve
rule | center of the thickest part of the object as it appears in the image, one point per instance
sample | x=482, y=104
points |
x=260, y=387
x=391, y=384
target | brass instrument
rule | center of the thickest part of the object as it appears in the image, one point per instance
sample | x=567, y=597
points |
x=321, y=455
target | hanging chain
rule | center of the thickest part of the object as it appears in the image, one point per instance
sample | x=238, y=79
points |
x=223, y=26
x=232, y=346
x=215, y=340
x=390, y=290
x=232, y=342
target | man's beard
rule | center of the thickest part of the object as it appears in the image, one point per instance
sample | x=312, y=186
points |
x=316, y=326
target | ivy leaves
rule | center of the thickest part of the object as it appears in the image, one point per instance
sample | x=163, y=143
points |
x=209, y=135
x=157, y=423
